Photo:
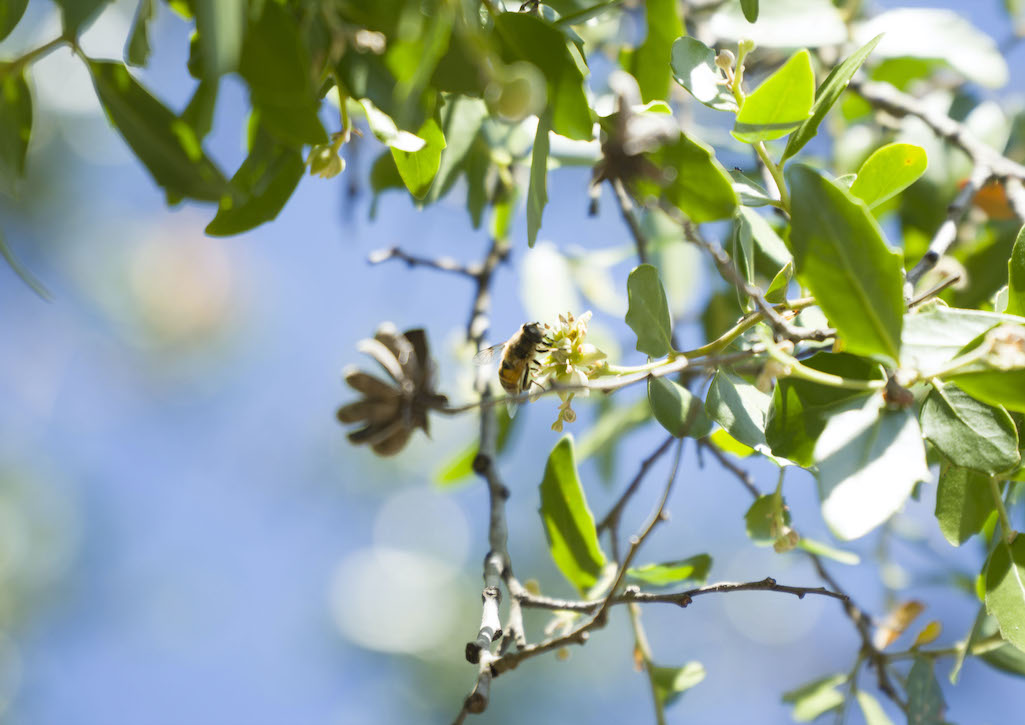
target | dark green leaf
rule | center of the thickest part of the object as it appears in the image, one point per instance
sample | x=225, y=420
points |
x=537, y=190
x=137, y=51
x=650, y=62
x=75, y=14
x=260, y=188
x=676, y=409
x=963, y=503
x=1016, y=277
x=165, y=144
x=816, y=697
x=826, y=95
x=671, y=682
x=739, y=407
x=199, y=114
x=750, y=8
x=925, y=698
x=221, y=25
x=10, y=13
x=780, y=104
x=888, y=171
x=418, y=168
x=648, y=312
x=569, y=525
x=461, y=120
x=700, y=186
x=15, y=130
x=525, y=37
x=971, y=434
x=1005, y=589
x=275, y=64
x=693, y=569
x=869, y=460
x=693, y=65
x=842, y=258
x=766, y=519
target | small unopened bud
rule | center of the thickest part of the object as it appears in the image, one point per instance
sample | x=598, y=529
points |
x=725, y=60
x=325, y=162
x=746, y=45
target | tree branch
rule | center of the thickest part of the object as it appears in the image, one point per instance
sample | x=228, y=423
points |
x=442, y=264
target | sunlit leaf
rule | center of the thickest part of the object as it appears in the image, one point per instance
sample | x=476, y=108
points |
x=842, y=258
x=676, y=409
x=1016, y=277
x=418, y=168
x=537, y=189
x=648, y=313
x=963, y=503
x=888, y=171
x=693, y=569
x=569, y=524
x=693, y=65
x=971, y=434
x=780, y=104
x=816, y=697
x=826, y=95
x=650, y=62
x=929, y=633
x=869, y=460
x=1005, y=589
x=700, y=187
x=896, y=623
x=739, y=407
x=671, y=682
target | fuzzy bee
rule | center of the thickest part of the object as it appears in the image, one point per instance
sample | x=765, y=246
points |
x=518, y=357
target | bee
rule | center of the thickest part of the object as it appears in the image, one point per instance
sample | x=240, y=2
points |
x=519, y=358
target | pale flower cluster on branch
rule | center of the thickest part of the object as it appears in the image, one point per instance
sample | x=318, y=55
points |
x=570, y=361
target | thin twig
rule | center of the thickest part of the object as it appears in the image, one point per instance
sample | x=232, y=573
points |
x=611, y=519
x=626, y=207
x=442, y=264
x=681, y=599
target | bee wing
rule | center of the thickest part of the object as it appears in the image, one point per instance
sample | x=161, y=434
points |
x=488, y=354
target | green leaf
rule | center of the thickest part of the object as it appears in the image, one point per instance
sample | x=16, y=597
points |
x=777, y=289
x=819, y=549
x=15, y=130
x=199, y=114
x=694, y=68
x=1016, y=277
x=137, y=50
x=275, y=64
x=221, y=25
x=842, y=258
x=701, y=188
x=461, y=120
x=767, y=250
x=871, y=709
x=971, y=434
x=165, y=144
x=460, y=467
x=10, y=13
x=648, y=312
x=963, y=503
x=728, y=444
x=826, y=95
x=693, y=569
x=537, y=190
x=27, y=277
x=418, y=168
x=780, y=104
x=739, y=407
x=888, y=171
x=991, y=384
x=1005, y=589
x=650, y=62
x=764, y=518
x=934, y=334
x=384, y=128
x=925, y=698
x=525, y=37
x=75, y=14
x=569, y=525
x=750, y=8
x=869, y=460
x=816, y=697
x=260, y=188
x=676, y=409
x=671, y=682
